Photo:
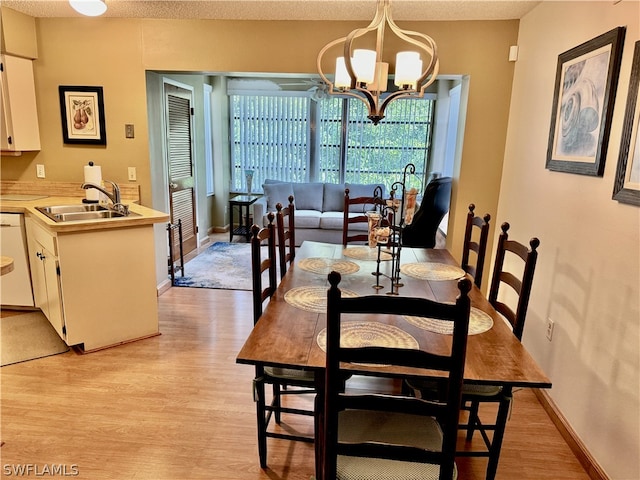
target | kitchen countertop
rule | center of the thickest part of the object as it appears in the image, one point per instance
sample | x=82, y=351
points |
x=145, y=216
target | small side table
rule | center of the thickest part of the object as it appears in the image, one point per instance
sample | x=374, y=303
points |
x=243, y=202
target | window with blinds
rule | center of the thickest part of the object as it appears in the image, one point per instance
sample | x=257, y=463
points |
x=292, y=139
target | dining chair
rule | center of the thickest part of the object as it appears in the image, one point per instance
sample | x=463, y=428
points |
x=286, y=237
x=280, y=378
x=357, y=205
x=473, y=396
x=478, y=246
x=387, y=436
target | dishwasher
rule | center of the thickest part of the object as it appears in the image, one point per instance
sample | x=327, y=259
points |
x=15, y=286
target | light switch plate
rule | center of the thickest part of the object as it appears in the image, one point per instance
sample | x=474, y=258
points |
x=128, y=131
x=40, y=170
x=132, y=174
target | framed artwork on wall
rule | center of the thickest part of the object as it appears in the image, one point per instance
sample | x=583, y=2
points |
x=82, y=113
x=626, y=188
x=585, y=90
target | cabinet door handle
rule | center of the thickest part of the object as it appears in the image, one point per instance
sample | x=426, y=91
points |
x=173, y=185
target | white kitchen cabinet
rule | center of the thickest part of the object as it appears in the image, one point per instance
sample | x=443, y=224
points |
x=45, y=271
x=19, y=129
x=105, y=280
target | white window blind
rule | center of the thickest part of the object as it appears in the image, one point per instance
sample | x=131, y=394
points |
x=270, y=136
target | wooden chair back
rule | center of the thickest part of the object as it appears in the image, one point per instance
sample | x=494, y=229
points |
x=446, y=410
x=286, y=237
x=521, y=284
x=478, y=245
x=259, y=265
x=360, y=236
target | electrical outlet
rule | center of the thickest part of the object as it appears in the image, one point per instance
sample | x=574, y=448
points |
x=40, y=171
x=132, y=174
x=549, y=329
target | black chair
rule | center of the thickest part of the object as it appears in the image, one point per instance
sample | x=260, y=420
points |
x=476, y=244
x=364, y=204
x=286, y=237
x=392, y=436
x=434, y=206
x=474, y=395
x=279, y=378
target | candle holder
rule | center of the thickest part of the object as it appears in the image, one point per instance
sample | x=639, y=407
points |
x=388, y=233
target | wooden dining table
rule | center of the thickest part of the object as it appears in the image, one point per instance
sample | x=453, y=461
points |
x=290, y=331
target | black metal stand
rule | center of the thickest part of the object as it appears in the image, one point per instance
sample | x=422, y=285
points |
x=394, y=242
x=172, y=268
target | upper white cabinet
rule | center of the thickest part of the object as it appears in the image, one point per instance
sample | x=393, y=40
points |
x=19, y=127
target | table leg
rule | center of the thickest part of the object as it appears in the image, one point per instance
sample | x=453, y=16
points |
x=498, y=435
x=246, y=222
x=319, y=424
x=230, y=223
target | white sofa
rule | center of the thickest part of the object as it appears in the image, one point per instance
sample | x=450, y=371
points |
x=319, y=207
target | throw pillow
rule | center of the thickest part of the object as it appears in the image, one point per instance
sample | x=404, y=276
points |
x=308, y=196
x=277, y=192
x=333, y=197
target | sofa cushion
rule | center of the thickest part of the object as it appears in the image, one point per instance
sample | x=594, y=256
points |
x=331, y=220
x=307, y=218
x=335, y=221
x=277, y=193
x=333, y=200
x=308, y=196
x=361, y=190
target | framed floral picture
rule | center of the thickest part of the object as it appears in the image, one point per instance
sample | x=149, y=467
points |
x=82, y=112
x=585, y=90
x=626, y=188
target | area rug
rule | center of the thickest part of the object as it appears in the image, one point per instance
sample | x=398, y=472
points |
x=223, y=265
x=26, y=337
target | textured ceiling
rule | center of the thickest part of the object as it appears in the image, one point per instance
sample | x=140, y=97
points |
x=288, y=9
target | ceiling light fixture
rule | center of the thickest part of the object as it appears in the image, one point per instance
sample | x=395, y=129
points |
x=90, y=8
x=363, y=73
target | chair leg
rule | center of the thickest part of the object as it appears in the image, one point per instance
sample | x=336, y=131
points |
x=498, y=435
x=473, y=419
x=262, y=422
x=277, y=399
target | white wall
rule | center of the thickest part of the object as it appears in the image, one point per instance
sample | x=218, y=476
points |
x=588, y=273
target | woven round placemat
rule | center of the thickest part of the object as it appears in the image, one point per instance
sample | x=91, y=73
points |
x=370, y=334
x=323, y=266
x=312, y=299
x=432, y=271
x=365, y=253
x=479, y=322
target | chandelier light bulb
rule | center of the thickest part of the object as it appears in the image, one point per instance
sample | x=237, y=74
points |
x=364, y=65
x=408, y=69
x=342, y=79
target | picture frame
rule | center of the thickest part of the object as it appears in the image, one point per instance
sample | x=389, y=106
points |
x=82, y=113
x=626, y=188
x=585, y=90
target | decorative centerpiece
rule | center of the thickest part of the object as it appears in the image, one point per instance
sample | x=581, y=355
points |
x=387, y=232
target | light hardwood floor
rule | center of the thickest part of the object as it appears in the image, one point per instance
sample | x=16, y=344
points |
x=177, y=406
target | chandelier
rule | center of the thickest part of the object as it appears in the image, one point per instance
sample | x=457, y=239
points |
x=362, y=73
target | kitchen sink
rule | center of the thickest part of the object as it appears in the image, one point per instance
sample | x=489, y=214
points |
x=69, y=213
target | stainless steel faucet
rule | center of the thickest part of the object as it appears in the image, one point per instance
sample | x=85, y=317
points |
x=114, y=197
